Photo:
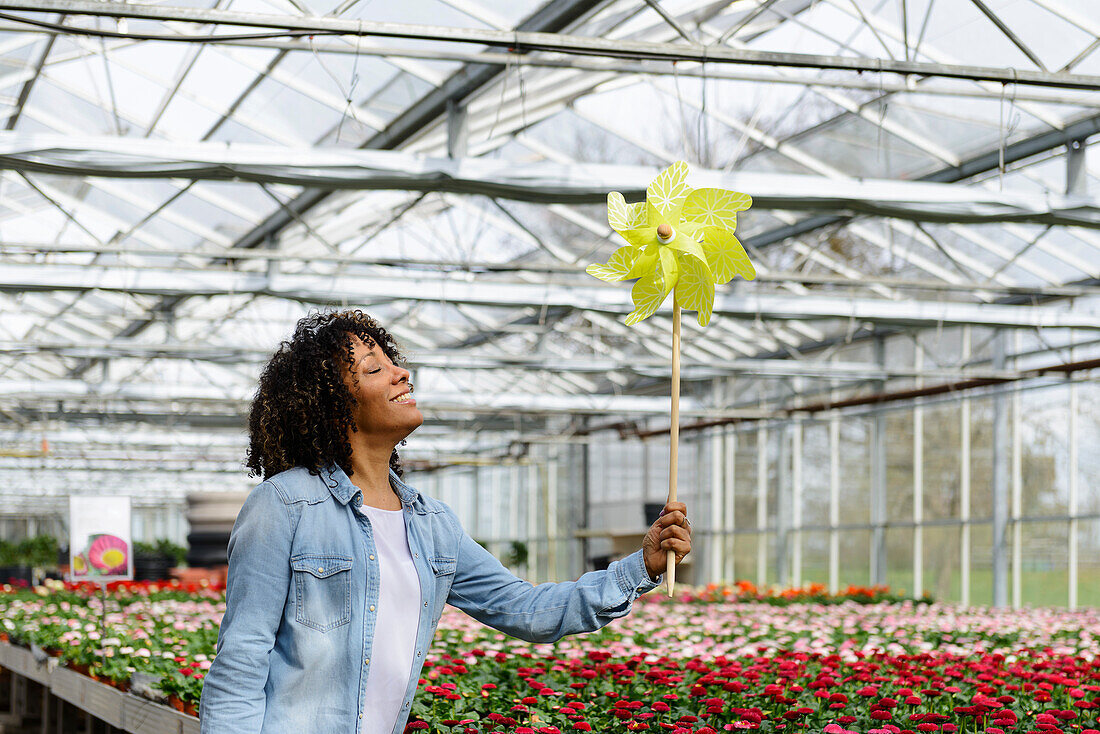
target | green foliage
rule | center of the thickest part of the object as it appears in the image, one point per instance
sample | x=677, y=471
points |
x=163, y=546
x=517, y=554
x=141, y=548
x=176, y=552
x=40, y=551
x=8, y=554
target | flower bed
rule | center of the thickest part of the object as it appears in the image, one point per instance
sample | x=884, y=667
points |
x=691, y=665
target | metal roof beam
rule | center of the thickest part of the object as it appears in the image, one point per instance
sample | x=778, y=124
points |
x=528, y=40
x=433, y=402
x=553, y=16
x=366, y=288
x=973, y=166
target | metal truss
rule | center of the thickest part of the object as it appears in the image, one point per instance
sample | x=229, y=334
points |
x=329, y=289
x=176, y=275
x=539, y=183
x=552, y=42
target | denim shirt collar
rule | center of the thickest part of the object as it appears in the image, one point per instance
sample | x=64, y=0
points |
x=343, y=490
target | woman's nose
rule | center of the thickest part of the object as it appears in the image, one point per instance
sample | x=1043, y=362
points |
x=400, y=373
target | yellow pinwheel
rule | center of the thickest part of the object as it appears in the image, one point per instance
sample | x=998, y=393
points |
x=678, y=238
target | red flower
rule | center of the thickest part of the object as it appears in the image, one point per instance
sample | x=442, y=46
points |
x=582, y=726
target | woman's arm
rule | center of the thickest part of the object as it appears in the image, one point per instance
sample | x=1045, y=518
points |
x=256, y=589
x=488, y=592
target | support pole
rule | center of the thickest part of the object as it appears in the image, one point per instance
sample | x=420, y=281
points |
x=532, y=494
x=796, y=495
x=783, y=504
x=584, y=520
x=878, y=479
x=964, y=483
x=1000, y=481
x=716, y=505
x=834, y=502
x=731, y=507
x=761, y=506
x=918, y=480
x=551, y=510
x=513, y=505
x=1017, y=492
x=670, y=558
x=1074, y=475
x=1077, y=180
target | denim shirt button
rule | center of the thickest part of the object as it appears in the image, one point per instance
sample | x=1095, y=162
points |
x=372, y=607
x=372, y=558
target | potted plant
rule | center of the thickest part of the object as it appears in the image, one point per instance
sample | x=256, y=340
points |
x=14, y=568
x=150, y=564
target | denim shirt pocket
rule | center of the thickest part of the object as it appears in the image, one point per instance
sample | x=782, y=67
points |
x=444, y=569
x=322, y=590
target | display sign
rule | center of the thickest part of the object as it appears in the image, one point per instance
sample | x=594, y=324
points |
x=100, y=539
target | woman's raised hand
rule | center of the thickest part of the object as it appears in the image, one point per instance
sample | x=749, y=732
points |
x=671, y=532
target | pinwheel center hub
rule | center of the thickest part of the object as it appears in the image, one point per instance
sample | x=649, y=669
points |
x=665, y=233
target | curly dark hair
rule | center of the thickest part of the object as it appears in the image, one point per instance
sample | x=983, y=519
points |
x=302, y=410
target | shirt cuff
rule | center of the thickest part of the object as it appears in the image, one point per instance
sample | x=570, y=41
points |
x=633, y=578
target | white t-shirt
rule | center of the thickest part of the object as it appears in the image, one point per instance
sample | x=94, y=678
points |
x=391, y=655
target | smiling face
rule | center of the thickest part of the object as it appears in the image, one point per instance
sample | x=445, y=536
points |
x=385, y=407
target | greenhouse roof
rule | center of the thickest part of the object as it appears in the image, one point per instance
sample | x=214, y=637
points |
x=181, y=182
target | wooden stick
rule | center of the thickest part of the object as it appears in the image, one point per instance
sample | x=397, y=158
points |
x=670, y=567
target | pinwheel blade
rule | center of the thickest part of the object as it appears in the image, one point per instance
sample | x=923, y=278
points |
x=670, y=268
x=618, y=265
x=716, y=207
x=640, y=236
x=726, y=256
x=648, y=294
x=690, y=248
x=622, y=216
x=666, y=194
x=645, y=263
x=695, y=289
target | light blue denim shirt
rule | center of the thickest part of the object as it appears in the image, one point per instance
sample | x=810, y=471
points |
x=294, y=646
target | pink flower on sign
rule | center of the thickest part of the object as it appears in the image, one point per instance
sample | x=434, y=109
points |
x=108, y=554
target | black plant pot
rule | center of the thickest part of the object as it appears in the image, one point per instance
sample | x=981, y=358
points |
x=207, y=549
x=652, y=512
x=152, y=567
x=16, y=575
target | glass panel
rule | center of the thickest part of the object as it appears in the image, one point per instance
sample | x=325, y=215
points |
x=899, y=465
x=981, y=458
x=855, y=558
x=1088, y=461
x=941, y=563
x=1044, y=570
x=855, y=470
x=815, y=557
x=941, y=462
x=899, y=561
x=815, y=475
x=743, y=548
x=981, y=564
x=1044, y=425
x=744, y=483
x=1088, y=565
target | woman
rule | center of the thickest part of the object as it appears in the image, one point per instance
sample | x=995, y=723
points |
x=338, y=570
